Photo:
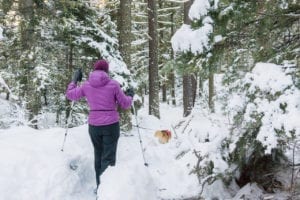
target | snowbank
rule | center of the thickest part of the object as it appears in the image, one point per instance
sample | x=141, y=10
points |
x=33, y=167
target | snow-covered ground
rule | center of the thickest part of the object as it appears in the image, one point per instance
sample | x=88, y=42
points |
x=33, y=167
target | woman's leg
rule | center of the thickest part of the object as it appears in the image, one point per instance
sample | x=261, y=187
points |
x=95, y=134
x=110, y=141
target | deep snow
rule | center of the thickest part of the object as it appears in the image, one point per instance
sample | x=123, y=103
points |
x=33, y=167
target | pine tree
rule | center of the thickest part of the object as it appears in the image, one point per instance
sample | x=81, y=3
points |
x=64, y=35
x=140, y=46
x=167, y=19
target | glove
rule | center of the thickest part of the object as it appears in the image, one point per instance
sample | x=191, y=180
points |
x=77, y=76
x=129, y=92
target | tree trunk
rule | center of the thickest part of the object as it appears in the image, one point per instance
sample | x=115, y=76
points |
x=44, y=93
x=161, y=46
x=200, y=86
x=125, y=38
x=7, y=96
x=172, y=74
x=153, y=60
x=172, y=87
x=70, y=68
x=27, y=26
x=164, y=91
x=211, y=90
x=187, y=6
x=187, y=95
x=194, y=88
x=187, y=77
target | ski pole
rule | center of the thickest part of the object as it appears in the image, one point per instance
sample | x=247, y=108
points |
x=67, y=128
x=141, y=143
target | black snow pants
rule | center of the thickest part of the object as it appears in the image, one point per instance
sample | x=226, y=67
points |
x=105, y=140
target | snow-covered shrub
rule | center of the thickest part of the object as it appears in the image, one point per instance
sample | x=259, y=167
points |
x=266, y=118
x=10, y=114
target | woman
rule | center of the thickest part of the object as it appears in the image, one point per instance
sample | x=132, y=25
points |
x=103, y=96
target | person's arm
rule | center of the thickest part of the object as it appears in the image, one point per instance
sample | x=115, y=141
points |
x=73, y=92
x=123, y=100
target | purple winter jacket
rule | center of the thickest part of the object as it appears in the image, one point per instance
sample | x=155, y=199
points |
x=103, y=96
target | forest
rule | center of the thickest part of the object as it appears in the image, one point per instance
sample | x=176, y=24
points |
x=223, y=76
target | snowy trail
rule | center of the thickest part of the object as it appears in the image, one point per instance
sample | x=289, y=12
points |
x=164, y=178
x=33, y=167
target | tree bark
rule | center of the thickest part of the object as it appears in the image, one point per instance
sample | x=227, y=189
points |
x=211, y=90
x=187, y=95
x=153, y=60
x=172, y=87
x=164, y=91
x=69, y=58
x=187, y=6
x=172, y=74
x=194, y=88
x=161, y=46
x=125, y=38
x=27, y=26
x=200, y=85
x=187, y=77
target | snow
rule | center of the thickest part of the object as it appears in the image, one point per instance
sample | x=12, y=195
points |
x=197, y=41
x=3, y=84
x=199, y=8
x=226, y=10
x=32, y=165
x=249, y=191
x=187, y=39
x=217, y=190
x=1, y=33
x=42, y=76
x=31, y=160
x=218, y=38
x=268, y=77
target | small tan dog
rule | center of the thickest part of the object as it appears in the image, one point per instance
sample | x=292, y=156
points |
x=163, y=136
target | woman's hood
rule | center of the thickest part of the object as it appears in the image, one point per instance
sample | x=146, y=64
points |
x=98, y=78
